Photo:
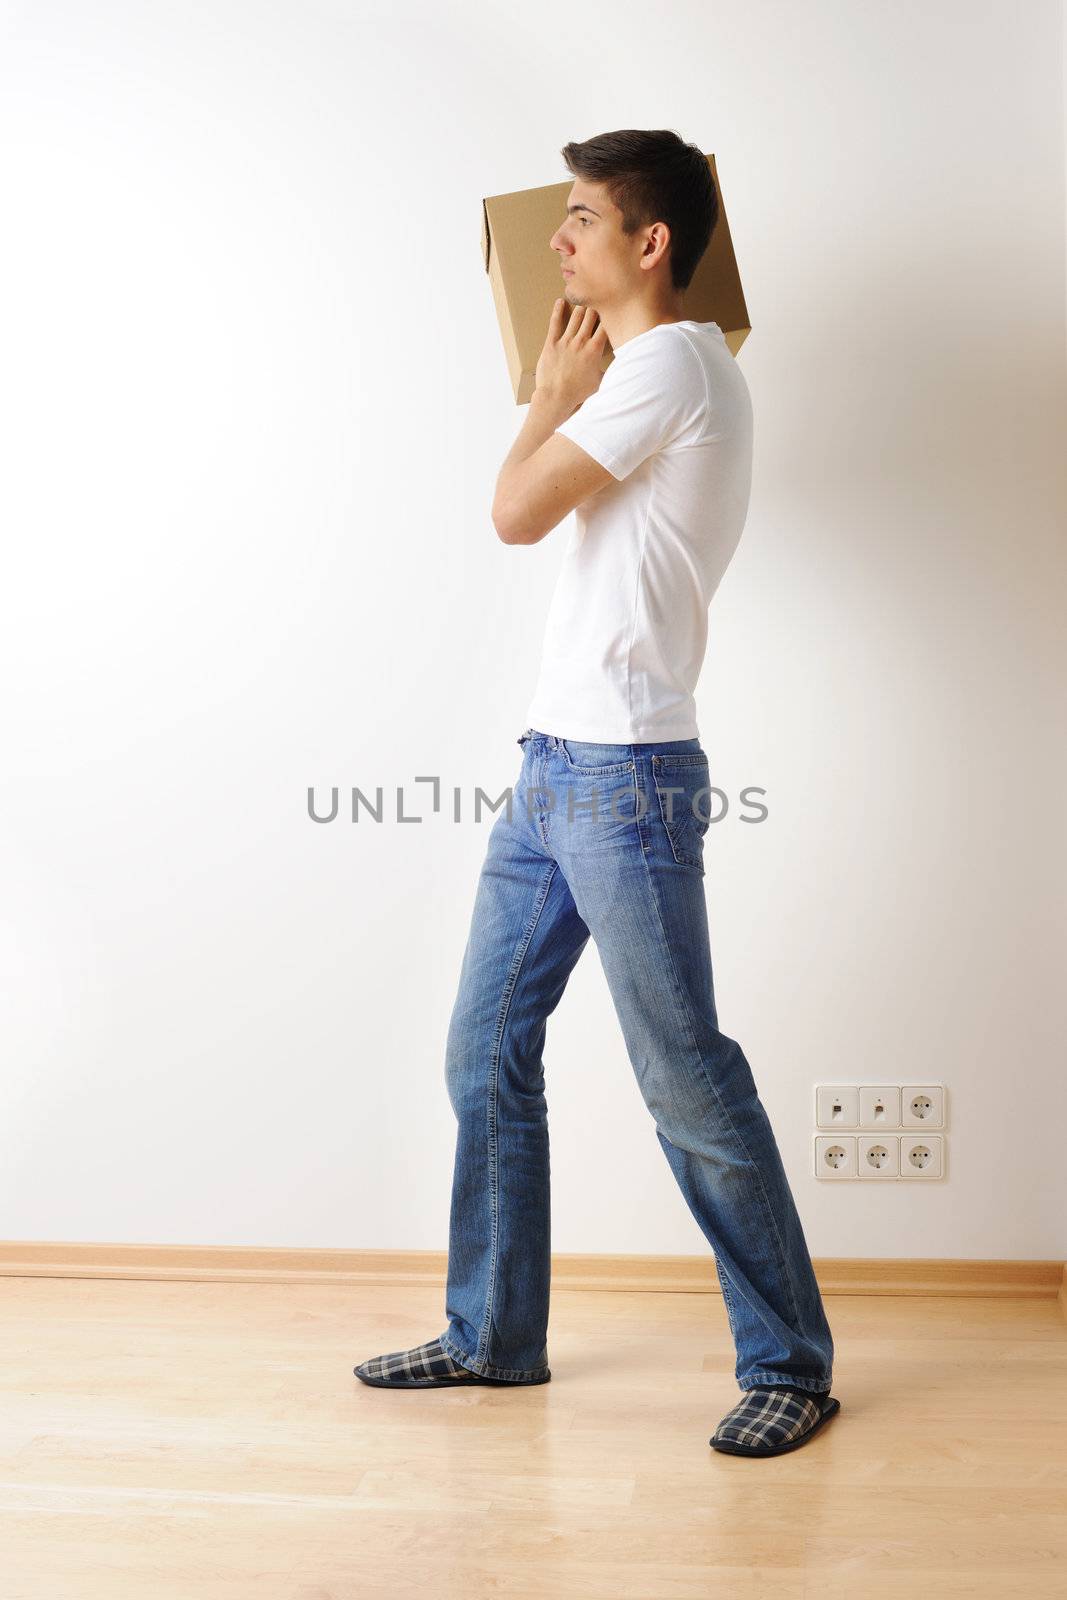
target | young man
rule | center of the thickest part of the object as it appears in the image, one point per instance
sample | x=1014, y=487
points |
x=605, y=835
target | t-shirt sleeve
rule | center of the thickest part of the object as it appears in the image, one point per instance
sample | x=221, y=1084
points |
x=650, y=397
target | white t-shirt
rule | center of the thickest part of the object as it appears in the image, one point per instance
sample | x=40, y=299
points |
x=627, y=627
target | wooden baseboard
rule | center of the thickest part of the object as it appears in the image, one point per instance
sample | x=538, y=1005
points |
x=693, y=1274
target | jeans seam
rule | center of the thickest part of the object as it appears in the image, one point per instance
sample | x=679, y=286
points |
x=505, y=1004
x=727, y=1297
x=783, y=1380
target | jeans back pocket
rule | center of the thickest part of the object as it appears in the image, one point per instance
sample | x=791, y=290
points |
x=683, y=788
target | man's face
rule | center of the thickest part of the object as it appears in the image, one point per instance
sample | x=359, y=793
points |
x=592, y=248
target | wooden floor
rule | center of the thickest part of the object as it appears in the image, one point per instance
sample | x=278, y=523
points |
x=210, y=1442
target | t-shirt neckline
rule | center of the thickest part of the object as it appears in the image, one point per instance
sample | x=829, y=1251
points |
x=683, y=322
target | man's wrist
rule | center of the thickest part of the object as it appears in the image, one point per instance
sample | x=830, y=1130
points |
x=551, y=404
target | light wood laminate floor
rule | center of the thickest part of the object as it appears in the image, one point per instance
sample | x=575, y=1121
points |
x=186, y=1441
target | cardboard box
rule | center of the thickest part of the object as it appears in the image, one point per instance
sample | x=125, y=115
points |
x=525, y=280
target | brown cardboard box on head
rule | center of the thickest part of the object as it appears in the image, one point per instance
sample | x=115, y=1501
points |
x=525, y=277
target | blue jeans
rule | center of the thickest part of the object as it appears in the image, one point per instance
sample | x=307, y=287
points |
x=608, y=840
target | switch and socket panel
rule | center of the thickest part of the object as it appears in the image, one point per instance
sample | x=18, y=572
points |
x=879, y=1131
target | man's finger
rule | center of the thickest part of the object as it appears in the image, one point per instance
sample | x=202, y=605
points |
x=585, y=332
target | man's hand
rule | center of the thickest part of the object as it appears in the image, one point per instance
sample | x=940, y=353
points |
x=568, y=368
x=546, y=474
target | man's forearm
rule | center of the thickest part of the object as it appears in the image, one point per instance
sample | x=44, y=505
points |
x=543, y=417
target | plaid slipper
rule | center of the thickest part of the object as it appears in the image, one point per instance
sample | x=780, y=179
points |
x=425, y=1367
x=766, y=1421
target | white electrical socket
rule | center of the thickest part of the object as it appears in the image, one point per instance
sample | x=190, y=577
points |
x=836, y=1105
x=922, y=1105
x=874, y=1151
x=878, y=1157
x=879, y=1105
x=922, y=1155
x=835, y=1156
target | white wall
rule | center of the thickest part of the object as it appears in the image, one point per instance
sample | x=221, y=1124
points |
x=254, y=404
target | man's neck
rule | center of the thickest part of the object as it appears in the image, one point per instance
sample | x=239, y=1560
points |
x=619, y=329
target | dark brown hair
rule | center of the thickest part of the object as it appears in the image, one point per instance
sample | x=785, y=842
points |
x=652, y=175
